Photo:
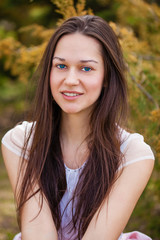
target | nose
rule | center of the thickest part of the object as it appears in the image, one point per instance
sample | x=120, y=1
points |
x=71, y=77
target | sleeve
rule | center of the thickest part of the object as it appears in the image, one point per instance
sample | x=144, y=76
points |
x=15, y=138
x=135, y=150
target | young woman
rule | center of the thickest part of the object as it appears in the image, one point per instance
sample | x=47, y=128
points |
x=75, y=172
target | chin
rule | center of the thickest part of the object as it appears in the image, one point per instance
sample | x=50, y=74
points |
x=70, y=110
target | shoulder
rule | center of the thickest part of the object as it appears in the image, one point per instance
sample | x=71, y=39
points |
x=12, y=145
x=15, y=138
x=132, y=180
x=134, y=148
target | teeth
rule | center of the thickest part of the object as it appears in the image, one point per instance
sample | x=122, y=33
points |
x=71, y=94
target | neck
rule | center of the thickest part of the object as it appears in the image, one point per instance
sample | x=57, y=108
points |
x=74, y=128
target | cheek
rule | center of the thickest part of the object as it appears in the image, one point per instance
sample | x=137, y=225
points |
x=97, y=84
x=53, y=80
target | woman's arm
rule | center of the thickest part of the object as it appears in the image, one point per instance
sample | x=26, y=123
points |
x=118, y=207
x=42, y=227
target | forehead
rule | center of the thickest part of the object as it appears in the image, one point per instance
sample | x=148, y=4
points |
x=79, y=45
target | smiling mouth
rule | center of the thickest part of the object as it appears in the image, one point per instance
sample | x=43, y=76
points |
x=68, y=93
x=71, y=94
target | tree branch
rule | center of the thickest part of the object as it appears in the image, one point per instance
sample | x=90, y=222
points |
x=143, y=90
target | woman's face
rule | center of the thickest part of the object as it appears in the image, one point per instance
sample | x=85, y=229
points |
x=77, y=73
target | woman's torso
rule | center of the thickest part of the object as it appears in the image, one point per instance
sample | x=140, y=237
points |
x=132, y=146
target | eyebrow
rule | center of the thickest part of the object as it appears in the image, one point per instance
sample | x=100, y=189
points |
x=90, y=60
x=61, y=59
x=83, y=61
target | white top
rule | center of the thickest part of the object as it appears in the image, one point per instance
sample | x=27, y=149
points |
x=133, y=147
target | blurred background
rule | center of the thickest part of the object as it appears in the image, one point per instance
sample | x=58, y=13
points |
x=26, y=27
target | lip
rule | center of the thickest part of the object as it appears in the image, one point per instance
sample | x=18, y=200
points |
x=71, y=97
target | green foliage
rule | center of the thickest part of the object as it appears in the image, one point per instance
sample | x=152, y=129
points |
x=66, y=9
x=6, y=34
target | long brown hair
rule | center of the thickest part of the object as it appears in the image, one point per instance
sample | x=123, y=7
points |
x=45, y=165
